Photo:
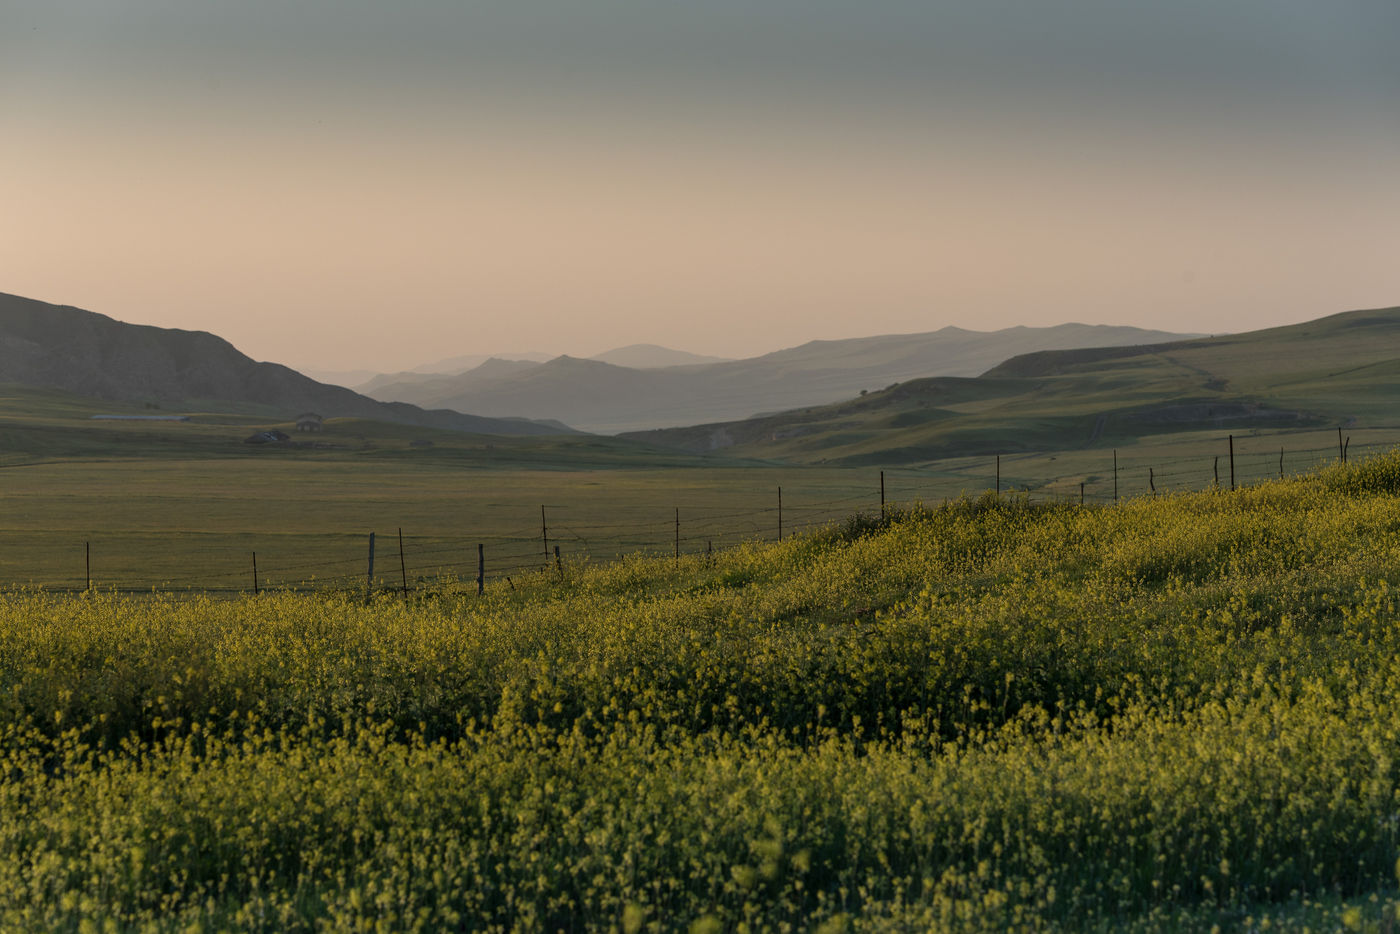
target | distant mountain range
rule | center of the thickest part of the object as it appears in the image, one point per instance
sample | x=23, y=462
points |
x=652, y=356
x=61, y=347
x=604, y=395
x=392, y=386
x=1342, y=369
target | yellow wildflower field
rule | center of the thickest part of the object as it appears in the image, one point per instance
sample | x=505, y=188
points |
x=1171, y=714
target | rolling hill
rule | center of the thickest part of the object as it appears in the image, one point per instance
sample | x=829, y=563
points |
x=596, y=395
x=1343, y=369
x=59, y=347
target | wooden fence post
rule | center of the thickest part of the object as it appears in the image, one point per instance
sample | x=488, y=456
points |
x=369, y=575
x=1081, y=492
x=87, y=563
x=1216, y=468
x=998, y=476
x=882, y=494
x=403, y=568
x=480, y=569
x=780, y=513
x=558, y=562
x=1115, y=476
x=1232, y=462
x=1341, y=449
x=544, y=534
x=256, y=591
x=1151, y=482
x=678, y=535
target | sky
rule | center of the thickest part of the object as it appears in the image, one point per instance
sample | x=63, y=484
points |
x=343, y=184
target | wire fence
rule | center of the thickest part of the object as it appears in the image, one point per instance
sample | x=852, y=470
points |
x=553, y=536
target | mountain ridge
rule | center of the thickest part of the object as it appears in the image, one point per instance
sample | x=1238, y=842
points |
x=1340, y=369
x=816, y=372
x=50, y=346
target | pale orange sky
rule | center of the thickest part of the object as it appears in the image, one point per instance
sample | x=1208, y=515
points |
x=326, y=206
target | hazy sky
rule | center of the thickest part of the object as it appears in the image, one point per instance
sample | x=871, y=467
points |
x=343, y=183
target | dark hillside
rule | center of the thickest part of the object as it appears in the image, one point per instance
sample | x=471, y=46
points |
x=61, y=347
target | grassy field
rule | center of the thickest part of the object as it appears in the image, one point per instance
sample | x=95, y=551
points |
x=194, y=524
x=184, y=505
x=994, y=715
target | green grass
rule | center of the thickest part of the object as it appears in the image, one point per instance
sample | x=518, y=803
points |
x=195, y=523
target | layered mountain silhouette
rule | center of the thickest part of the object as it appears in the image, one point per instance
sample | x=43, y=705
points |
x=653, y=356
x=596, y=395
x=391, y=386
x=61, y=347
x=1343, y=369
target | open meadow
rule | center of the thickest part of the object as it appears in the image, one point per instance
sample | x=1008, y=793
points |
x=991, y=715
x=183, y=506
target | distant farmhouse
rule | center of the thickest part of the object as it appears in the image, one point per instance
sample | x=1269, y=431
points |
x=308, y=421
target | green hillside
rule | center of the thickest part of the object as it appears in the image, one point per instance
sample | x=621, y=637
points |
x=1335, y=371
x=1341, y=366
x=992, y=716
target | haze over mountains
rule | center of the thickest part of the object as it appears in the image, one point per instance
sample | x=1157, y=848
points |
x=1341, y=369
x=602, y=396
x=636, y=356
x=1100, y=386
x=61, y=347
x=653, y=356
